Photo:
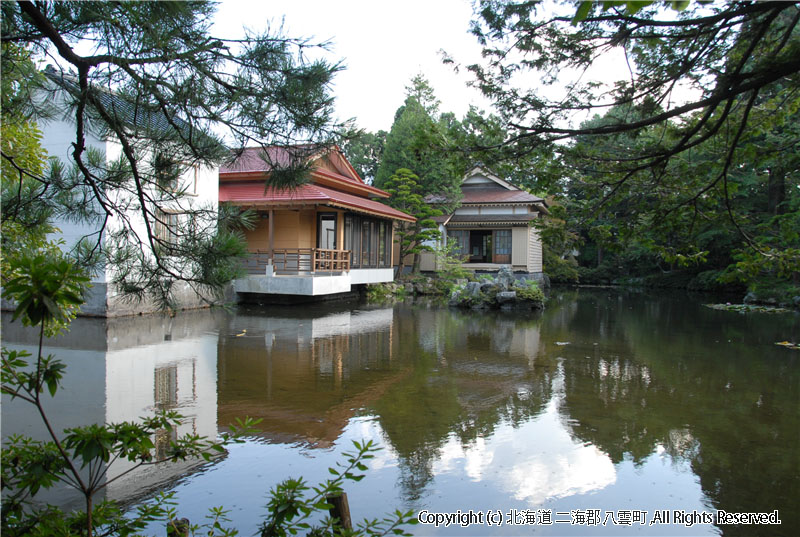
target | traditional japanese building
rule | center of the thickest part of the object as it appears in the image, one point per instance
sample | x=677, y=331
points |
x=320, y=238
x=493, y=226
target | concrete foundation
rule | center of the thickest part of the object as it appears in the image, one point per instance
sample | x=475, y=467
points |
x=319, y=284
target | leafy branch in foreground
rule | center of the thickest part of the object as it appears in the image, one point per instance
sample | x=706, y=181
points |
x=291, y=511
x=47, y=290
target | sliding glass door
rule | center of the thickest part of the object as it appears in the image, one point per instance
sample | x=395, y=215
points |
x=369, y=240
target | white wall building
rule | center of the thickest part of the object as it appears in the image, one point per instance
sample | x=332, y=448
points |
x=198, y=184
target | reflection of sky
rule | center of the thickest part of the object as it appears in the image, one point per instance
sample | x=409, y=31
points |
x=533, y=462
x=535, y=465
x=351, y=323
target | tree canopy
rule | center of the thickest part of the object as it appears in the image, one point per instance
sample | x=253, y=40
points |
x=706, y=112
x=364, y=151
x=414, y=143
x=151, y=76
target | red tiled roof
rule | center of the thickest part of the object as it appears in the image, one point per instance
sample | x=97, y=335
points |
x=257, y=159
x=497, y=195
x=256, y=162
x=371, y=190
x=253, y=193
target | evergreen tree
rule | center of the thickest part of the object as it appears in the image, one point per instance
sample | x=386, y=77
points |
x=417, y=142
x=364, y=152
x=421, y=90
x=153, y=78
x=413, y=237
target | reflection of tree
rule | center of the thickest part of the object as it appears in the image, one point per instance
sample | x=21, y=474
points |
x=610, y=403
x=471, y=372
x=729, y=408
x=416, y=415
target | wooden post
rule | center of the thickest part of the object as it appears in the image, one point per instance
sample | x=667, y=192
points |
x=340, y=510
x=178, y=528
x=271, y=233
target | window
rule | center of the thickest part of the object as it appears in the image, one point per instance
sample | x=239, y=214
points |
x=166, y=227
x=348, y=232
x=369, y=241
x=170, y=177
x=460, y=239
x=387, y=262
x=365, y=243
x=373, y=258
x=502, y=246
x=502, y=242
x=326, y=231
x=167, y=173
x=382, y=244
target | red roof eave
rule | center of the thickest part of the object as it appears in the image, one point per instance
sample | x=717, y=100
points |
x=325, y=175
x=255, y=194
x=369, y=189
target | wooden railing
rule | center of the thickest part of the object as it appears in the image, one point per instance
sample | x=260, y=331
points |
x=331, y=260
x=299, y=260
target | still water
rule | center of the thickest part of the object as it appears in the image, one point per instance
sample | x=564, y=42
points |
x=595, y=416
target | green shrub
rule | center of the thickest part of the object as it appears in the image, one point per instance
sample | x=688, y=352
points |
x=709, y=280
x=379, y=292
x=559, y=270
x=605, y=274
x=530, y=291
x=774, y=290
x=449, y=263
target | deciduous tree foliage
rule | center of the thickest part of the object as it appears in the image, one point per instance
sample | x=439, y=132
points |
x=710, y=97
x=152, y=76
x=22, y=156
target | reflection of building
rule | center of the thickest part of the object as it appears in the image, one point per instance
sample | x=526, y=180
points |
x=466, y=333
x=121, y=370
x=304, y=376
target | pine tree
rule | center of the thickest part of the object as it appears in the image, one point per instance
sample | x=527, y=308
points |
x=155, y=80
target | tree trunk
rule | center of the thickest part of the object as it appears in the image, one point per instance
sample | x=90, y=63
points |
x=776, y=191
x=89, y=509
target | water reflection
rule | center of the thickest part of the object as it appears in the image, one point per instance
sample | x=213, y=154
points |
x=708, y=388
x=305, y=376
x=607, y=400
x=119, y=370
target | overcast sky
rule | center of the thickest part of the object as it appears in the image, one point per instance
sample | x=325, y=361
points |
x=383, y=44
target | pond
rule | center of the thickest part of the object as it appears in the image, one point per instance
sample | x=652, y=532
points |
x=612, y=412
